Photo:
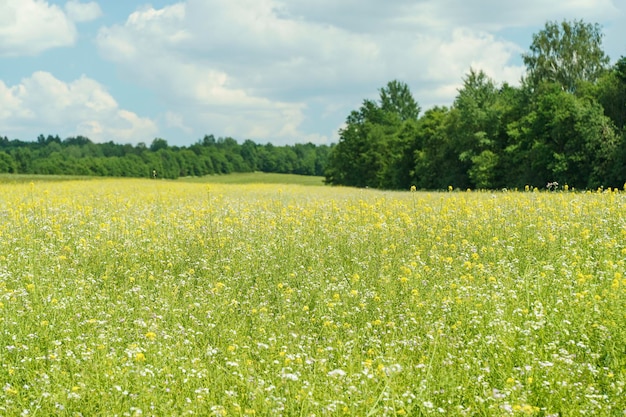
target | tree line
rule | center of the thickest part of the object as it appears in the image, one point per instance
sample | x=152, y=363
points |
x=564, y=123
x=210, y=155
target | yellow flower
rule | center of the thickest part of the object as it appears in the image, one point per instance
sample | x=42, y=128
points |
x=151, y=335
x=140, y=357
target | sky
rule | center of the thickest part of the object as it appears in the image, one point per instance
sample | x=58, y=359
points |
x=279, y=71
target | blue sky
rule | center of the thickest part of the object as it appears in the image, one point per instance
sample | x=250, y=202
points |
x=280, y=71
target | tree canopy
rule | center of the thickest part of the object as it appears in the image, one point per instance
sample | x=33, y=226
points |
x=373, y=147
x=80, y=156
x=566, y=54
x=564, y=123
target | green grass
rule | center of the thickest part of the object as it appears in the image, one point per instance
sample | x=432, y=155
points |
x=257, y=178
x=27, y=178
x=171, y=298
x=235, y=178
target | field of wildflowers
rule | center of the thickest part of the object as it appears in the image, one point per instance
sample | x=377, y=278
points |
x=141, y=297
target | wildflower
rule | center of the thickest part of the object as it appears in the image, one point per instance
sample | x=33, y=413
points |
x=336, y=373
x=289, y=376
x=150, y=335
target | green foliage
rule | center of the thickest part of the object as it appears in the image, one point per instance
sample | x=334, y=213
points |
x=435, y=163
x=7, y=163
x=375, y=146
x=483, y=168
x=566, y=139
x=181, y=298
x=475, y=128
x=396, y=98
x=610, y=91
x=566, y=54
x=565, y=124
x=80, y=156
x=257, y=178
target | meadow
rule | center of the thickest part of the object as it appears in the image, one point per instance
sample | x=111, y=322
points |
x=171, y=298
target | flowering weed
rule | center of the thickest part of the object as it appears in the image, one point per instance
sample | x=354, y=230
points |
x=161, y=298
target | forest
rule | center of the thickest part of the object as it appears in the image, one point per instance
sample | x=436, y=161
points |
x=563, y=123
x=80, y=156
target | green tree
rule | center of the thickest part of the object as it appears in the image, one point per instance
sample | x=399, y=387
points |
x=158, y=144
x=474, y=129
x=565, y=138
x=7, y=163
x=373, y=146
x=435, y=163
x=396, y=98
x=249, y=154
x=566, y=54
x=610, y=91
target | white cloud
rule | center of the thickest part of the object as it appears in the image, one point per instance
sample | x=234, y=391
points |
x=176, y=120
x=28, y=27
x=81, y=107
x=167, y=50
x=82, y=12
x=261, y=68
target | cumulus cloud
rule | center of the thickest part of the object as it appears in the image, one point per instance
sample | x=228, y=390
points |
x=28, y=27
x=82, y=12
x=170, y=51
x=247, y=68
x=261, y=68
x=81, y=107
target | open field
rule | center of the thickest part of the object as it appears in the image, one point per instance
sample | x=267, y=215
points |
x=142, y=297
x=257, y=177
x=234, y=178
x=27, y=178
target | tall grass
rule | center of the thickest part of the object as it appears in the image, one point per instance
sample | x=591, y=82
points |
x=141, y=297
x=257, y=178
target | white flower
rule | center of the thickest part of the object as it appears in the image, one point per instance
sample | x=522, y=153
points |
x=335, y=373
x=396, y=368
x=289, y=376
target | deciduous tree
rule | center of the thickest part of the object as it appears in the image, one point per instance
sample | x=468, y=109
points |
x=566, y=54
